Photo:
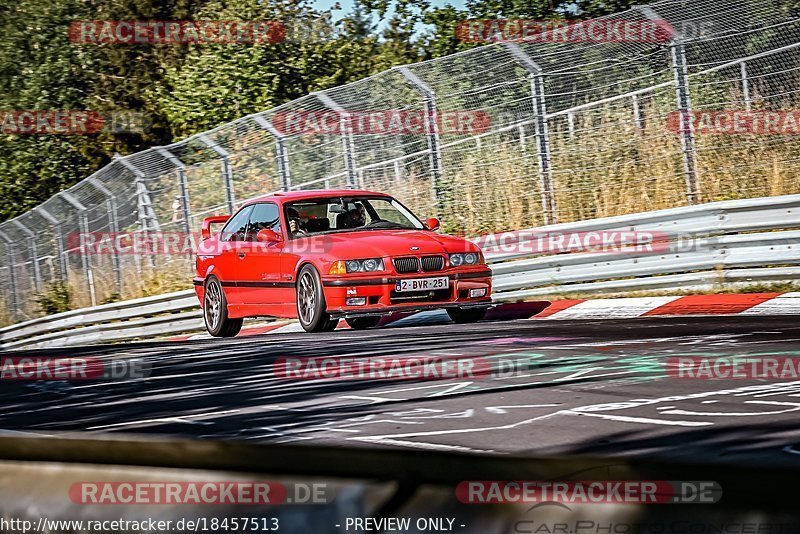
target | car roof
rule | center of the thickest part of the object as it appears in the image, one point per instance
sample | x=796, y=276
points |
x=291, y=196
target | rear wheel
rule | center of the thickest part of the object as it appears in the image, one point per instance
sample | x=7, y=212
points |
x=466, y=315
x=311, y=302
x=215, y=311
x=360, y=323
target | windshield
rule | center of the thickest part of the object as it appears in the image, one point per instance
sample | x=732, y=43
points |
x=348, y=214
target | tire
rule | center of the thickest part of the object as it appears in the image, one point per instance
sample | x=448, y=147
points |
x=215, y=311
x=360, y=323
x=466, y=315
x=311, y=307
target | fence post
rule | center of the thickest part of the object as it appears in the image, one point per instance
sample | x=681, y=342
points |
x=280, y=147
x=541, y=131
x=183, y=187
x=432, y=131
x=113, y=224
x=348, y=144
x=83, y=222
x=56, y=225
x=147, y=215
x=681, y=75
x=12, y=275
x=227, y=171
x=688, y=149
x=637, y=113
x=748, y=103
x=33, y=251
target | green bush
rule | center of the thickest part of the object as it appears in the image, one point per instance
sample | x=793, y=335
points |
x=55, y=299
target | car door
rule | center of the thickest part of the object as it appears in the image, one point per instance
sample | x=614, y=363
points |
x=227, y=264
x=260, y=281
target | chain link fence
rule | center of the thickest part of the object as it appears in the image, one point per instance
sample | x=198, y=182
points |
x=573, y=130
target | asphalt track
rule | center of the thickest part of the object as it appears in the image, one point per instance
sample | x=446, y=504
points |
x=597, y=387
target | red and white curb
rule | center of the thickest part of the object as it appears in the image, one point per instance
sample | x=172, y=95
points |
x=627, y=308
x=619, y=308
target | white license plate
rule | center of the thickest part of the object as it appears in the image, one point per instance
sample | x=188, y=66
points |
x=422, y=284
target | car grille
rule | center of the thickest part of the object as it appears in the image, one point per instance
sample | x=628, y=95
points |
x=438, y=295
x=406, y=265
x=432, y=263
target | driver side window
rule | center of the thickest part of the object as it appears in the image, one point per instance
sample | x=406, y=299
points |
x=264, y=215
x=236, y=229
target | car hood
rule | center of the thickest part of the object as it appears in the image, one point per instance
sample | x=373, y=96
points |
x=382, y=243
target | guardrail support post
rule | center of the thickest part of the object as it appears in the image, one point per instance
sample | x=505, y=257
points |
x=33, y=251
x=681, y=75
x=113, y=225
x=432, y=132
x=12, y=274
x=59, y=238
x=541, y=131
x=227, y=171
x=348, y=143
x=83, y=223
x=280, y=147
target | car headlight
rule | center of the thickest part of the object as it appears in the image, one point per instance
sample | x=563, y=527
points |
x=468, y=258
x=359, y=266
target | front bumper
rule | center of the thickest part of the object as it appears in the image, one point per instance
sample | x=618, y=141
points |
x=381, y=298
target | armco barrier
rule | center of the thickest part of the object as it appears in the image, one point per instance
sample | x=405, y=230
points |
x=730, y=242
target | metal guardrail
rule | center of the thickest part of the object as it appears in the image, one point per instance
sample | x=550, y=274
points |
x=721, y=243
x=119, y=321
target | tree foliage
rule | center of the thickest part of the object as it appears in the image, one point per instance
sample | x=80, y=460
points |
x=185, y=89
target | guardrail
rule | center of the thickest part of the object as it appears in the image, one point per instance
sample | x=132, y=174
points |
x=703, y=246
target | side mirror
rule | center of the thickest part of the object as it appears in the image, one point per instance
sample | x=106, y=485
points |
x=205, y=229
x=432, y=224
x=268, y=235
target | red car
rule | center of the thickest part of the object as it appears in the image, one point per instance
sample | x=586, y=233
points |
x=321, y=256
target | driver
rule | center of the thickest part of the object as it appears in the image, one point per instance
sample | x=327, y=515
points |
x=355, y=217
x=295, y=224
x=359, y=216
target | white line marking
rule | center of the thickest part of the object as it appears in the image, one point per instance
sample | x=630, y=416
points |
x=644, y=420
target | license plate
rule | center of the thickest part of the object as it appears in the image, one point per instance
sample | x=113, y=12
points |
x=422, y=284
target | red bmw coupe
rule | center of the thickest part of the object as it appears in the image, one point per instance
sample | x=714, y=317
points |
x=320, y=256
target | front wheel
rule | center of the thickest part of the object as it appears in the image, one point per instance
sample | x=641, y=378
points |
x=311, y=302
x=360, y=323
x=466, y=315
x=215, y=311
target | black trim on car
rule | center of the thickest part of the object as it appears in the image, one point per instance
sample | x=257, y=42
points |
x=248, y=283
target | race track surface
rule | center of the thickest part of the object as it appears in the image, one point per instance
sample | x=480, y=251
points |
x=597, y=387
